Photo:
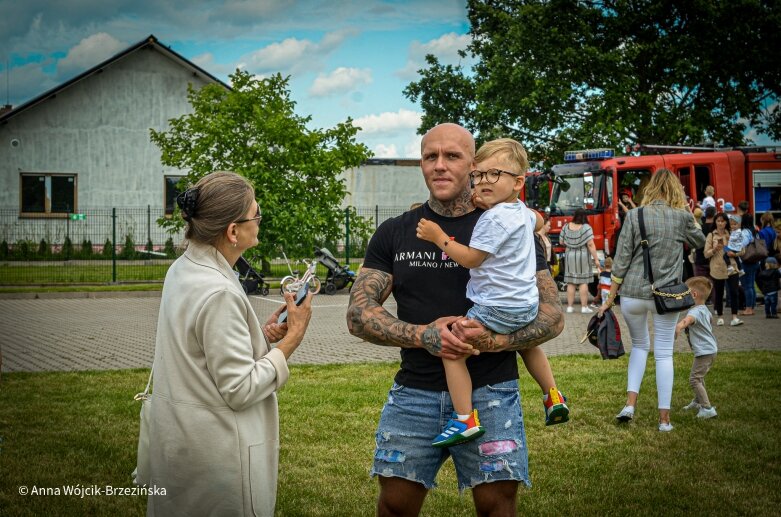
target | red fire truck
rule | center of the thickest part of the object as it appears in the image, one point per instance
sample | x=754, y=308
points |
x=592, y=179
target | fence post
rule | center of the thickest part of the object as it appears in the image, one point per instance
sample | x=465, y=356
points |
x=148, y=223
x=114, y=245
x=347, y=234
x=376, y=216
x=68, y=235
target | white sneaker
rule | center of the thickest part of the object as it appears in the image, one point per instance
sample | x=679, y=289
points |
x=570, y=309
x=586, y=310
x=691, y=405
x=706, y=412
x=665, y=428
x=735, y=322
x=626, y=414
x=720, y=322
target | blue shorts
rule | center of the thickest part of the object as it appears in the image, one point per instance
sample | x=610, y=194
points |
x=412, y=418
x=504, y=320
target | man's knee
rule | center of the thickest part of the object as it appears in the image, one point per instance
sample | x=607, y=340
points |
x=400, y=497
x=497, y=499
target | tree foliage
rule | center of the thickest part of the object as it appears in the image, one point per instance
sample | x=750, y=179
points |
x=565, y=74
x=253, y=130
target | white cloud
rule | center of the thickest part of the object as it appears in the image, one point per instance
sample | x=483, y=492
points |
x=341, y=80
x=389, y=122
x=89, y=52
x=294, y=55
x=385, y=151
x=207, y=62
x=27, y=81
x=445, y=48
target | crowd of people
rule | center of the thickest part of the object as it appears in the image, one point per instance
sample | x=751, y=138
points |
x=214, y=429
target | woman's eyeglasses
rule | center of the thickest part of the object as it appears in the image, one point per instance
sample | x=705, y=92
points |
x=490, y=176
x=257, y=218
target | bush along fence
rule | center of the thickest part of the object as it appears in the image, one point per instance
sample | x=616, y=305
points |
x=125, y=245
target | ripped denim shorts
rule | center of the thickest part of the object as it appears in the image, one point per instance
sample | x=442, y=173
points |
x=412, y=418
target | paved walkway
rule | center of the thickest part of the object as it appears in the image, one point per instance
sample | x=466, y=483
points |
x=105, y=331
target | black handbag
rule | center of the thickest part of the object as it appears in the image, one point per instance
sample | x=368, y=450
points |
x=675, y=297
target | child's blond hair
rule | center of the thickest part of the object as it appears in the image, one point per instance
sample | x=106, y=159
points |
x=701, y=284
x=608, y=263
x=510, y=149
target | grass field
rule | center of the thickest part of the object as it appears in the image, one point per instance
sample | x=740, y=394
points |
x=61, y=429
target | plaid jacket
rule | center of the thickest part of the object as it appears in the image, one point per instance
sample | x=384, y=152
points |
x=667, y=230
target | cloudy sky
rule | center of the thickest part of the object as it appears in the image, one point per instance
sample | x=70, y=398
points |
x=344, y=57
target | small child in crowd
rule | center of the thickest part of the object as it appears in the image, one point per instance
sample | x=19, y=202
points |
x=699, y=332
x=502, y=285
x=735, y=245
x=768, y=280
x=604, y=279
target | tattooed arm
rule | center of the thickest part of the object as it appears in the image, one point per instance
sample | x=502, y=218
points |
x=547, y=325
x=367, y=319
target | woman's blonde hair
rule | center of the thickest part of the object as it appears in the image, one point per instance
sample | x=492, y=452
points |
x=664, y=186
x=222, y=198
x=510, y=149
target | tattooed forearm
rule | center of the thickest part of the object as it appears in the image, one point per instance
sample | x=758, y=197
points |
x=367, y=319
x=549, y=321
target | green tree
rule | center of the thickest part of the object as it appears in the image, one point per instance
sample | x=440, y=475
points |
x=253, y=129
x=569, y=74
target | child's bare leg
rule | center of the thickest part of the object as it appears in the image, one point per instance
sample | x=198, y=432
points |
x=537, y=364
x=459, y=384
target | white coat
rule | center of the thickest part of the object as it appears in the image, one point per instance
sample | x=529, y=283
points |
x=214, y=420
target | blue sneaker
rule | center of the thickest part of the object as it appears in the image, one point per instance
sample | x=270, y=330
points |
x=459, y=431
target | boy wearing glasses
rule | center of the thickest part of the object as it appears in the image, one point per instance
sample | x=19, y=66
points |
x=502, y=282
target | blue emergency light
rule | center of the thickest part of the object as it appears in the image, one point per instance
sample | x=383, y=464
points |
x=588, y=154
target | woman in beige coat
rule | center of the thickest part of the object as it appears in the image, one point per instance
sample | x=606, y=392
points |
x=214, y=441
x=714, y=251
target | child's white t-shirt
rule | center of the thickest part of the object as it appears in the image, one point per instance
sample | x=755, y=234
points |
x=701, y=336
x=507, y=276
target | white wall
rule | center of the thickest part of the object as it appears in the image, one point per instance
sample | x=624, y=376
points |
x=385, y=185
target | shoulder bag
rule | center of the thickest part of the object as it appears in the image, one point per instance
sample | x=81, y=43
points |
x=675, y=297
x=756, y=251
x=141, y=473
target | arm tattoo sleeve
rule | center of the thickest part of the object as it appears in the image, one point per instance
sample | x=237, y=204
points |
x=548, y=324
x=367, y=319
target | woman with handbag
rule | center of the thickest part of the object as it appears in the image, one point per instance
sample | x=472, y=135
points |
x=715, y=243
x=648, y=260
x=214, y=424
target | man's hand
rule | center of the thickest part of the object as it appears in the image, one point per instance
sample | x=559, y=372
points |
x=439, y=339
x=431, y=232
x=473, y=332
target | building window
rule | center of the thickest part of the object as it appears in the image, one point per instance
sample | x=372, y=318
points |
x=171, y=191
x=44, y=193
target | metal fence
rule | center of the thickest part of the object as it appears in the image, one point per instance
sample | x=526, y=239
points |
x=120, y=245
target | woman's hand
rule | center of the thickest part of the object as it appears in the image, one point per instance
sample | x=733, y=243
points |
x=298, y=317
x=273, y=330
x=602, y=308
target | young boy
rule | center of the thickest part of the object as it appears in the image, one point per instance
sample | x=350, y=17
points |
x=502, y=281
x=604, y=279
x=735, y=245
x=699, y=332
x=768, y=280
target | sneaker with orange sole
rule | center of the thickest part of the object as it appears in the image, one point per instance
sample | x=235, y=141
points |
x=556, y=410
x=459, y=431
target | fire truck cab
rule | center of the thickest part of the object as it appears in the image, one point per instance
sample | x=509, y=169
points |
x=593, y=179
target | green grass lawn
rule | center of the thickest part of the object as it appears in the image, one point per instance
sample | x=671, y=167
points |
x=81, y=428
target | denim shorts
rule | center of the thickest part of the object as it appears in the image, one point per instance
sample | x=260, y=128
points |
x=504, y=320
x=412, y=418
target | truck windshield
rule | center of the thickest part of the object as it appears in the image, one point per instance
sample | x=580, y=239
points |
x=582, y=186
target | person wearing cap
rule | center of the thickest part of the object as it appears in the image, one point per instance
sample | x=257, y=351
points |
x=768, y=282
x=728, y=208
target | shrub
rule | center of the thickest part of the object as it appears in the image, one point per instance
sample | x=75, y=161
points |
x=44, y=249
x=108, y=249
x=149, y=246
x=129, y=249
x=169, y=249
x=23, y=250
x=4, y=252
x=86, y=248
x=67, y=249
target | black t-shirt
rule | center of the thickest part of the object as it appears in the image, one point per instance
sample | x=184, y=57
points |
x=427, y=284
